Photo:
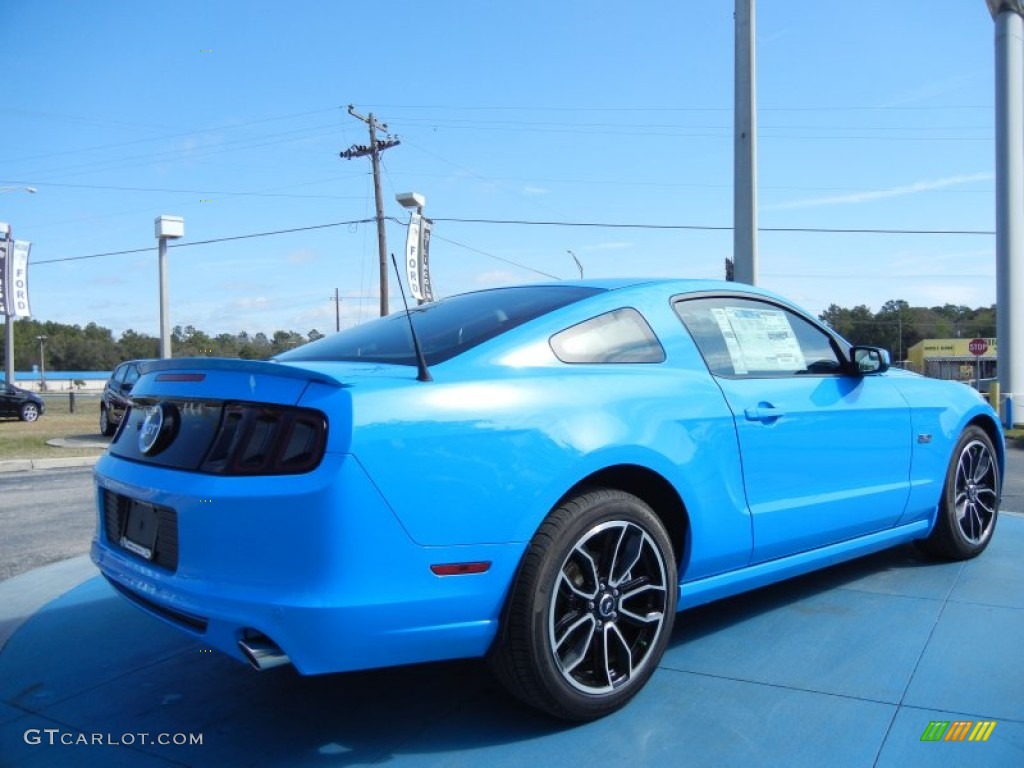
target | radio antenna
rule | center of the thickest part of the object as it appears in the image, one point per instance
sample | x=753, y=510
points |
x=423, y=373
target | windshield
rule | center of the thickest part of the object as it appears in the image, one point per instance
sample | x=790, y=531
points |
x=445, y=328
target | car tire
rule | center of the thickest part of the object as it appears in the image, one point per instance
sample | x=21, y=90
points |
x=591, y=609
x=107, y=429
x=28, y=412
x=970, y=500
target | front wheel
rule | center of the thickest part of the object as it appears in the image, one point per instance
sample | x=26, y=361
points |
x=29, y=412
x=970, y=500
x=592, y=607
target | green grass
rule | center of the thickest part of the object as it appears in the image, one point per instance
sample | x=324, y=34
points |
x=24, y=440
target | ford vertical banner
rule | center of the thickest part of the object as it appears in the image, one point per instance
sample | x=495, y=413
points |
x=412, y=256
x=17, y=283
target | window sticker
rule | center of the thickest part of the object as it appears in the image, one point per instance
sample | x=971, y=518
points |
x=759, y=339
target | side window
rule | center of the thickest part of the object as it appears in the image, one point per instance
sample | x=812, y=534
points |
x=622, y=336
x=118, y=375
x=747, y=337
x=131, y=375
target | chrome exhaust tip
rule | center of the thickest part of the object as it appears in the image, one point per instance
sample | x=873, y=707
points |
x=262, y=652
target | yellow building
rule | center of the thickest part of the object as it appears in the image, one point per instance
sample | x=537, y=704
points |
x=951, y=359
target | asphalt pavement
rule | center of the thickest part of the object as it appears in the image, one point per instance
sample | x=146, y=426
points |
x=849, y=666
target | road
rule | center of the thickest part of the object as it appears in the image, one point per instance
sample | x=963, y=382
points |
x=46, y=516
x=50, y=515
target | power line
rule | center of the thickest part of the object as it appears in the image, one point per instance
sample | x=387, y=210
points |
x=711, y=228
x=208, y=242
x=436, y=236
x=160, y=137
x=524, y=222
x=535, y=108
x=189, y=191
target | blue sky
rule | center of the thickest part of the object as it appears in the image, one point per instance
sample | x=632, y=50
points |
x=872, y=115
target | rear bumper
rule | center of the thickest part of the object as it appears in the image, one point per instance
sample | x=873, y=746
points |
x=318, y=563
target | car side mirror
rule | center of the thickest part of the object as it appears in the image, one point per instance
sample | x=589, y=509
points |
x=869, y=360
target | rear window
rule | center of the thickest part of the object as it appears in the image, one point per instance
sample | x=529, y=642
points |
x=445, y=328
x=622, y=336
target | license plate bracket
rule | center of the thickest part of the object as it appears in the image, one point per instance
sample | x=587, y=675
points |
x=140, y=529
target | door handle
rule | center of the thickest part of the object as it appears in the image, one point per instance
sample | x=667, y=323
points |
x=766, y=413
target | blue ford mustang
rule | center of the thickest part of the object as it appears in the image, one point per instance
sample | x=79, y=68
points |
x=543, y=475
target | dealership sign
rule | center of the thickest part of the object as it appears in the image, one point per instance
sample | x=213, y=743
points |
x=417, y=253
x=14, y=277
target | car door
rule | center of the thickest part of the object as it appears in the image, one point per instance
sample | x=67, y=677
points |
x=8, y=397
x=825, y=451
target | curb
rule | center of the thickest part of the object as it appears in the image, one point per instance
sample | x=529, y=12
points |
x=25, y=465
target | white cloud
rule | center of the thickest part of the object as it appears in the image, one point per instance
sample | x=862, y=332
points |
x=881, y=194
x=244, y=303
x=531, y=190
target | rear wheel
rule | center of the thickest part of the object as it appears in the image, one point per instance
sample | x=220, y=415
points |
x=970, y=500
x=592, y=607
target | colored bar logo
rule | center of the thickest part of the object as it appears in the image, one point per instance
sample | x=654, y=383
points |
x=958, y=730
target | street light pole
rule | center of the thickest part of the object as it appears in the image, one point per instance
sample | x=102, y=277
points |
x=42, y=363
x=7, y=240
x=167, y=228
x=1009, y=45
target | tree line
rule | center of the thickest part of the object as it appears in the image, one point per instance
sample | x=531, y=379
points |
x=94, y=348
x=896, y=326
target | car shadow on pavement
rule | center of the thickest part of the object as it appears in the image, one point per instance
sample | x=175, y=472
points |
x=91, y=663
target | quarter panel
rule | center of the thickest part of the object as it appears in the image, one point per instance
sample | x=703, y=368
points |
x=484, y=461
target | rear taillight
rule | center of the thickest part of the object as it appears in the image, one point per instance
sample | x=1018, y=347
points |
x=266, y=440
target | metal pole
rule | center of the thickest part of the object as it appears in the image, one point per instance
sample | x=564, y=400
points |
x=165, y=320
x=7, y=236
x=745, y=148
x=337, y=311
x=1009, y=45
x=382, y=245
x=9, y=349
x=42, y=363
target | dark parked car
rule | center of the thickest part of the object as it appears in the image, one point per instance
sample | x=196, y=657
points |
x=116, y=392
x=14, y=401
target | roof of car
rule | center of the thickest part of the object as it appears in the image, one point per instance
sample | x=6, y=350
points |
x=674, y=284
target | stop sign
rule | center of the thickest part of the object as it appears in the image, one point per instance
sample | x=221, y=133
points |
x=978, y=347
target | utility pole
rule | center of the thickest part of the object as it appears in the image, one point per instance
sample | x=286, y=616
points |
x=745, y=148
x=1009, y=120
x=374, y=150
x=337, y=311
